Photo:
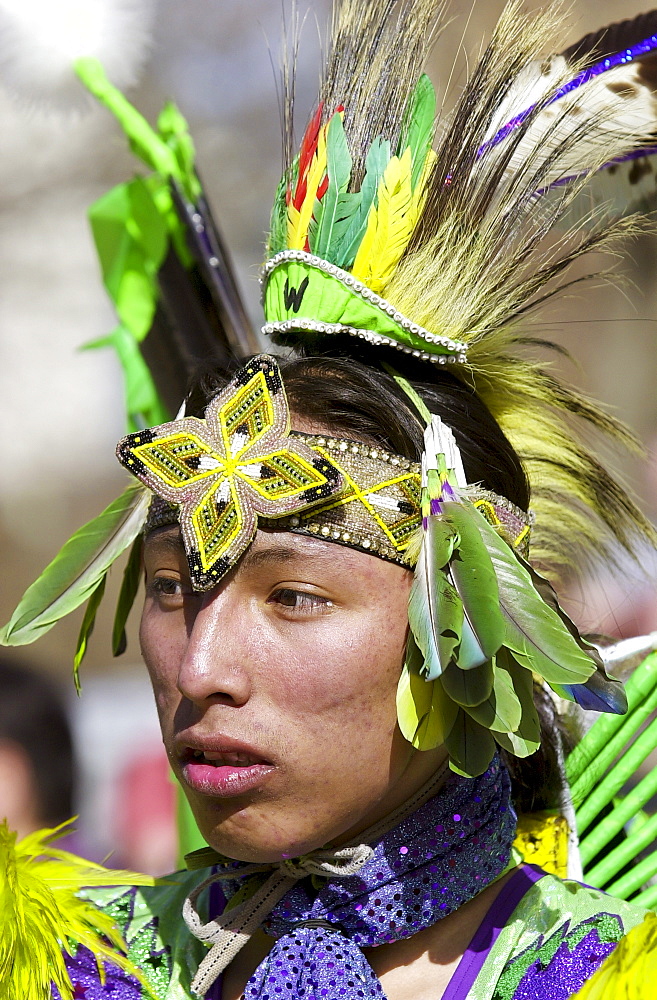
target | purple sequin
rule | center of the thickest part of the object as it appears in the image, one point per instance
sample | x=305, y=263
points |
x=434, y=861
x=86, y=983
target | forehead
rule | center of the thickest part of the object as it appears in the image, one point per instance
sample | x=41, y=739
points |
x=280, y=547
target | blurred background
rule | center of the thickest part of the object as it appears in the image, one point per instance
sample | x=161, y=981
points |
x=61, y=409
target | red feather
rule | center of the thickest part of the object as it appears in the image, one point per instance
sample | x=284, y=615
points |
x=308, y=147
x=323, y=188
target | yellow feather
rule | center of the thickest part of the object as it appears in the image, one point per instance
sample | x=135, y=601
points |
x=299, y=219
x=42, y=914
x=630, y=971
x=391, y=221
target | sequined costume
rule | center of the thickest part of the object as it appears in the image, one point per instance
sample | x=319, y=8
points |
x=541, y=940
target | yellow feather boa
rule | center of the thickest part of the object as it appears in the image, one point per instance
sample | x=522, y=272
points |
x=43, y=916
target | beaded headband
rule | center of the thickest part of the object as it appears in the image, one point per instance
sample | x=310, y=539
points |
x=241, y=467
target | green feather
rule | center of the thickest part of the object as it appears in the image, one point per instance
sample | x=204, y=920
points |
x=534, y=632
x=378, y=157
x=424, y=711
x=470, y=746
x=441, y=537
x=333, y=213
x=526, y=737
x=517, y=745
x=450, y=616
x=474, y=576
x=278, y=223
x=435, y=612
x=502, y=710
x=468, y=687
x=127, y=594
x=75, y=572
x=419, y=125
x=86, y=629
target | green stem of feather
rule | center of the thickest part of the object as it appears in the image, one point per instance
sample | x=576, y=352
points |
x=87, y=627
x=414, y=396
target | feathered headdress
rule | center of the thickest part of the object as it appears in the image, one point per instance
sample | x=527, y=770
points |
x=443, y=252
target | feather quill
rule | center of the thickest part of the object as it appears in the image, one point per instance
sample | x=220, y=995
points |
x=377, y=160
x=535, y=634
x=299, y=216
x=86, y=629
x=501, y=711
x=424, y=711
x=468, y=687
x=470, y=746
x=435, y=611
x=76, y=571
x=390, y=224
x=592, y=90
x=127, y=594
x=475, y=580
x=601, y=692
x=419, y=127
x=333, y=213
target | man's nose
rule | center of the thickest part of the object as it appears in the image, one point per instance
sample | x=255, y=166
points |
x=215, y=665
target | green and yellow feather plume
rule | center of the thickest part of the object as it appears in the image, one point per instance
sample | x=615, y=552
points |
x=483, y=623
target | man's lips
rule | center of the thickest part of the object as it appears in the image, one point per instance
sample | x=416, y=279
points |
x=220, y=766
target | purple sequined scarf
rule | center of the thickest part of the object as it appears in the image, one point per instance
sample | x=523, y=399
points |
x=435, y=860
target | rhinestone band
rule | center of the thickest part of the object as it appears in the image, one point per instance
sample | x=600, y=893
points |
x=313, y=326
x=457, y=348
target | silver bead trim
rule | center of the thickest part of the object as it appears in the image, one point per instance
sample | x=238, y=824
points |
x=456, y=348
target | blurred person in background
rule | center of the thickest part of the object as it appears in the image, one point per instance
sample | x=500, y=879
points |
x=37, y=763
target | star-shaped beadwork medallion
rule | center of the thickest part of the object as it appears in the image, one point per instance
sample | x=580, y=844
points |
x=225, y=470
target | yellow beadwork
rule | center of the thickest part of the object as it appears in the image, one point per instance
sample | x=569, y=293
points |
x=225, y=471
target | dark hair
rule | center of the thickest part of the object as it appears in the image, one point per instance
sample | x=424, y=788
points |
x=32, y=715
x=349, y=397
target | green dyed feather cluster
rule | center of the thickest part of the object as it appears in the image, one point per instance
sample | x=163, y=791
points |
x=480, y=630
x=78, y=573
x=314, y=208
x=134, y=226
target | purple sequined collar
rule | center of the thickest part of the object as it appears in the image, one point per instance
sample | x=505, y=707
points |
x=433, y=862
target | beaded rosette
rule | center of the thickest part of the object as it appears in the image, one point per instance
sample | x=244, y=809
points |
x=226, y=470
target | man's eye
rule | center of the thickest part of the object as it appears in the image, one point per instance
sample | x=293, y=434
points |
x=300, y=600
x=165, y=586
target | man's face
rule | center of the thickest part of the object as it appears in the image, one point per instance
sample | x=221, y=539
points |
x=276, y=691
